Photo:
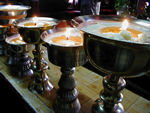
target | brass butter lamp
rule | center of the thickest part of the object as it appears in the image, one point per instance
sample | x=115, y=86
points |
x=30, y=29
x=117, y=58
x=68, y=56
x=18, y=59
x=8, y=16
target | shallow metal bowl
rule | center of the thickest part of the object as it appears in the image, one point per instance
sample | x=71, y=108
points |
x=9, y=12
x=17, y=47
x=31, y=34
x=110, y=56
x=63, y=56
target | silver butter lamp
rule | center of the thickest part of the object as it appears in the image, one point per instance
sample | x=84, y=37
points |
x=116, y=58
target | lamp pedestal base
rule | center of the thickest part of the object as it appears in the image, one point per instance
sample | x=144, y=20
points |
x=110, y=97
x=22, y=66
x=39, y=82
x=66, y=98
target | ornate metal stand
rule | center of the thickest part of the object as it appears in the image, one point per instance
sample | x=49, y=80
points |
x=18, y=59
x=31, y=34
x=110, y=98
x=23, y=68
x=67, y=100
x=39, y=81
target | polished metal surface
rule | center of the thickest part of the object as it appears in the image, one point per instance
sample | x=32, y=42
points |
x=113, y=56
x=17, y=47
x=32, y=34
x=14, y=51
x=117, y=58
x=3, y=29
x=62, y=56
x=18, y=60
x=10, y=12
x=67, y=57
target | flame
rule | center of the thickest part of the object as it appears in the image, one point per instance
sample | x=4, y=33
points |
x=20, y=38
x=35, y=19
x=70, y=1
x=68, y=31
x=13, y=13
x=124, y=25
x=147, y=3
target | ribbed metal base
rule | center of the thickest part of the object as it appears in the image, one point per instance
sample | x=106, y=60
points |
x=98, y=107
x=67, y=107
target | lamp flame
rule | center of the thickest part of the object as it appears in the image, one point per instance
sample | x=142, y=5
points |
x=147, y=3
x=68, y=30
x=124, y=25
x=70, y=1
x=13, y=14
x=35, y=19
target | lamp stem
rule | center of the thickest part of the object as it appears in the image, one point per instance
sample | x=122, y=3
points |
x=66, y=98
x=110, y=97
x=39, y=82
x=38, y=56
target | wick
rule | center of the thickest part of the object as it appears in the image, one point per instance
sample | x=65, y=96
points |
x=67, y=38
x=67, y=33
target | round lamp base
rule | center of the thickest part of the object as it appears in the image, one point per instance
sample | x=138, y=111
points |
x=98, y=107
x=70, y=107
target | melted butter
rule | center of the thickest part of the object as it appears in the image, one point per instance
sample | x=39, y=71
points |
x=134, y=33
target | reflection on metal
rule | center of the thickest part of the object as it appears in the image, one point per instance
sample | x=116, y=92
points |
x=18, y=59
x=39, y=82
x=8, y=16
x=9, y=12
x=116, y=58
x=67, y=57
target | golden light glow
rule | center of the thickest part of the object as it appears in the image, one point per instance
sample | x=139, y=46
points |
x=9, y=4
x=124, y=25
x=68, y=31
x=70, y=1
x=35, y=19
x=13, y=13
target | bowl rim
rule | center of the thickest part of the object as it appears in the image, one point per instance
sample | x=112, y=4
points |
x=24, y=8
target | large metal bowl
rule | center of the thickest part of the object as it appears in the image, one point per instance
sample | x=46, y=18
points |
x=115, y=57
x=9, y=12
